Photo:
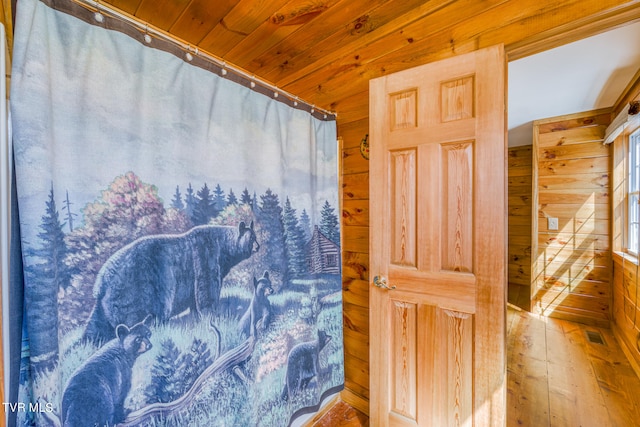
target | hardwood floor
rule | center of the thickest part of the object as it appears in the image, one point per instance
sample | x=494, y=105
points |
x=343, y=415
x=556, y=377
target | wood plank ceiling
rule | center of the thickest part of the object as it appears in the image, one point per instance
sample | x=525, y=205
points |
x=326, y=51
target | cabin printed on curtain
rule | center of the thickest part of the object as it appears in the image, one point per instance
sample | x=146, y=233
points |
x=179, y=233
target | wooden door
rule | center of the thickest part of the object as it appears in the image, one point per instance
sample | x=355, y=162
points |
x=438, y=243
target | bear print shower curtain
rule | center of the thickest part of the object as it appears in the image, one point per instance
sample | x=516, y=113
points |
x=179, y=235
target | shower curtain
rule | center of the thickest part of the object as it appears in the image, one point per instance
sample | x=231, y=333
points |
x=179, y=234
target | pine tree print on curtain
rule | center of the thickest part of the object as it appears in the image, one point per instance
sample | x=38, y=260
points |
x=180, y=237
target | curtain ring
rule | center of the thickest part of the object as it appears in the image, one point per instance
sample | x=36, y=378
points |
x=147, y=37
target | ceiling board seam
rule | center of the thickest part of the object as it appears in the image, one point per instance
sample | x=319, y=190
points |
x=368, y=38
x=175, y=21
x=374, y=63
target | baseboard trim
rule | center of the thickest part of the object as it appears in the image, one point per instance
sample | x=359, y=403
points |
x=628, y=352
x=355, y=400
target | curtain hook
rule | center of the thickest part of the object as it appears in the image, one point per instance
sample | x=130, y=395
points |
x=253, y=83
x=99, y=17
x=223, y=71
x=147, y=37
x=188, y=55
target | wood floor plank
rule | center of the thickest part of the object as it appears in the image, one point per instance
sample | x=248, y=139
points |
x=527, y=389
x=529, y=337
x=527, y=393
x=512, y=315
x=587, y=384
x=560, y=376
x=575, y=395
x=616, y=378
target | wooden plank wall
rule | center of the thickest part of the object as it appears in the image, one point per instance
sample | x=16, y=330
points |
x=519, y=189
x=355, y=263
x=626, y=308
x=572, y=270
x=626, y=271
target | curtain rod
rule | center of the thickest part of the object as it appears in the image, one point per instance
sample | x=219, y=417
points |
x=191, y=52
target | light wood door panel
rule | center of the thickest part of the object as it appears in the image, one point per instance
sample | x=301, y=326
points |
x=438, y=243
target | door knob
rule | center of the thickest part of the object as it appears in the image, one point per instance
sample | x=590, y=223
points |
x=381, y=282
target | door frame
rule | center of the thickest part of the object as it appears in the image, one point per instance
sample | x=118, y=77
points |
x=573, y=31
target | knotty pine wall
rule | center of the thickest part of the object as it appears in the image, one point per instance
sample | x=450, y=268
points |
x=626, y=309
x=355, y=262
x=519, y=192
x=571, y=269
x=626, y=272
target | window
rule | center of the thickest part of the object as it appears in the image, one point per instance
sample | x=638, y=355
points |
x=633, y=227
x=331, y=260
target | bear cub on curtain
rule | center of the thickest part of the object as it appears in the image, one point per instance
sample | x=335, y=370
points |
x=165, y=275
x=96, y=391
x=303, y=365
x=258, y=315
